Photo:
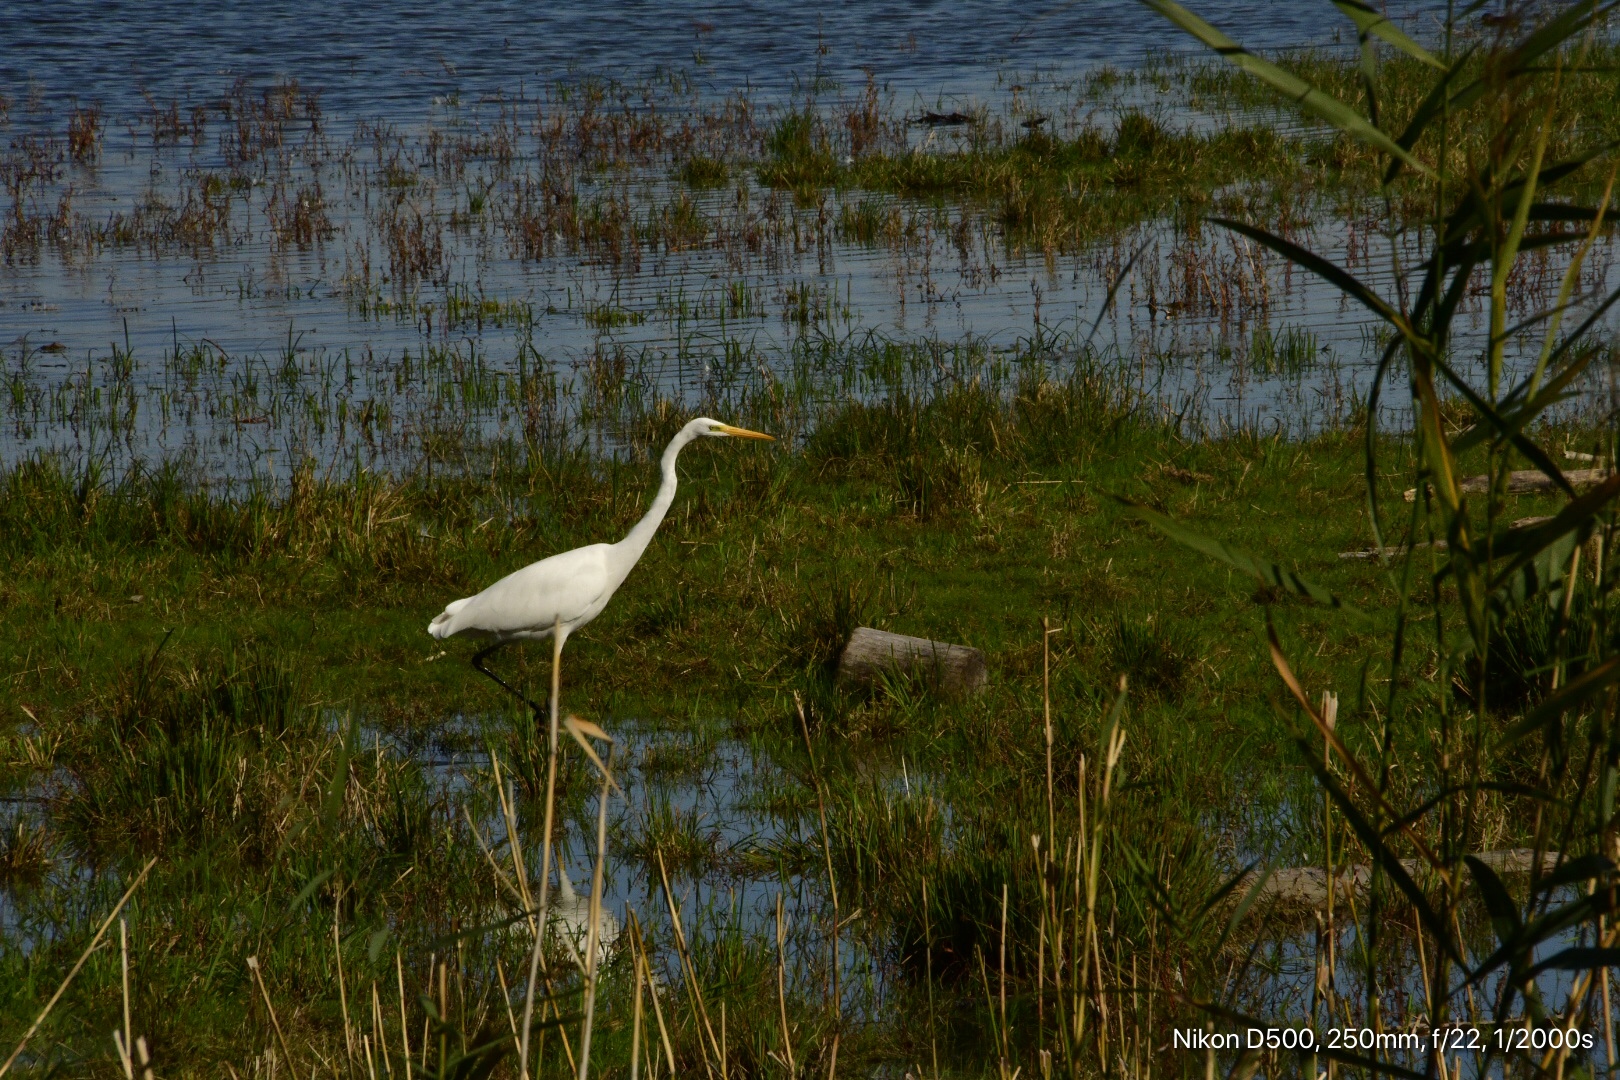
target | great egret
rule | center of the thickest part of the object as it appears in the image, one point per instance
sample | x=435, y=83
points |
x=571, y=914
x=553, y=598
x=558, y=595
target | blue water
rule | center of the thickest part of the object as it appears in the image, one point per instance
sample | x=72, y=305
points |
x=313, y=351
x=393, y=58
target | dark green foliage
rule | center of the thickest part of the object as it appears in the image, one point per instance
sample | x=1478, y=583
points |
x=164, y=765
x=1153, y=653
x=799, y=154
x=1509, y=630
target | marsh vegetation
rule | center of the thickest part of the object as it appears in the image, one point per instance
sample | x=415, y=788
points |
x=320, y=831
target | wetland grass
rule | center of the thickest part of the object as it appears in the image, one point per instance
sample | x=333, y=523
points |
x=275, y=762
x=272, y=752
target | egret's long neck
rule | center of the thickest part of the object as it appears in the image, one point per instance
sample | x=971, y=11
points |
x=636, y=541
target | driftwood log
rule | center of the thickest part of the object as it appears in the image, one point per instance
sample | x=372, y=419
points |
x=951, y=669
x=1307, y=886
x=1526, y=481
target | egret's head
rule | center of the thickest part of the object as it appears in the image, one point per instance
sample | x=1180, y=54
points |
x=715, y=428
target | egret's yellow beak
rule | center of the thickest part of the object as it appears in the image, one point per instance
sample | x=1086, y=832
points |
x=744, y=433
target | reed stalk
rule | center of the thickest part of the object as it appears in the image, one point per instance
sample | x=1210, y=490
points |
x=61, y=989
x=542, y=916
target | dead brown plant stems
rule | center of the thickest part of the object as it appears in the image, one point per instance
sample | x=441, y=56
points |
x=700, y=1013
x=1362, y=779
x=580, y=730
x=95, y=941
x=826, y=850
x=264, y=992
x=535, y=956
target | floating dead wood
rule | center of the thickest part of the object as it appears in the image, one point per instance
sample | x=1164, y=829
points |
x=1590, y=549
x=1307, y=886
x=1389, y=552
x=1526, y=482
x=938, y=119
x=951, y=669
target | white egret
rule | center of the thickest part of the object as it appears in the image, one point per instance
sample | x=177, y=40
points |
x=558, y=595
x=571, y=914
x=553, y=598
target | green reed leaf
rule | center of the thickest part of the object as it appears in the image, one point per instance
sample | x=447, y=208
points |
x=1268, y=573
x=1550, y=927
x=1533, y=542
x=1307, y=97
x=1499, y=904
x=1588, y=685
x=1373, y=840
x=1370, y=21
x=1518, y=418
x=1431, y=108
x=1576, y=871
x=1507, y=430
x=1580, y=958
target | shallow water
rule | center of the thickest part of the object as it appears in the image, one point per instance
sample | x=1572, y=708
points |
x=393, y=58
x=740, y=807
x=255, y=347
x=254, y=354
x=683, y=791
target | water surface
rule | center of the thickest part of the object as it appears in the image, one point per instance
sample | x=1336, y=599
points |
x=208, y=320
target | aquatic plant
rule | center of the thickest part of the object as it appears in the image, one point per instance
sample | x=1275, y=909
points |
x=1405, y=780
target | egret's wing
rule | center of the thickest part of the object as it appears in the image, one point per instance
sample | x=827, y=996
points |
x=566, y=586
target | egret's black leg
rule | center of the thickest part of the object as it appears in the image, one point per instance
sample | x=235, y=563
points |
x=478, y=662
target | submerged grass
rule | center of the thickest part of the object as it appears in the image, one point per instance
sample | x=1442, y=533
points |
x=586, y=170
x=1060, y=193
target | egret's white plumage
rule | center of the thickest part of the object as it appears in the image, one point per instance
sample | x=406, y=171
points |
x=572, y=587
x=571, y=915
x=566, y=591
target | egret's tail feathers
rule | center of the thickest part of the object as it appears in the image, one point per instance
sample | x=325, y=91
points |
x=444, y=623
